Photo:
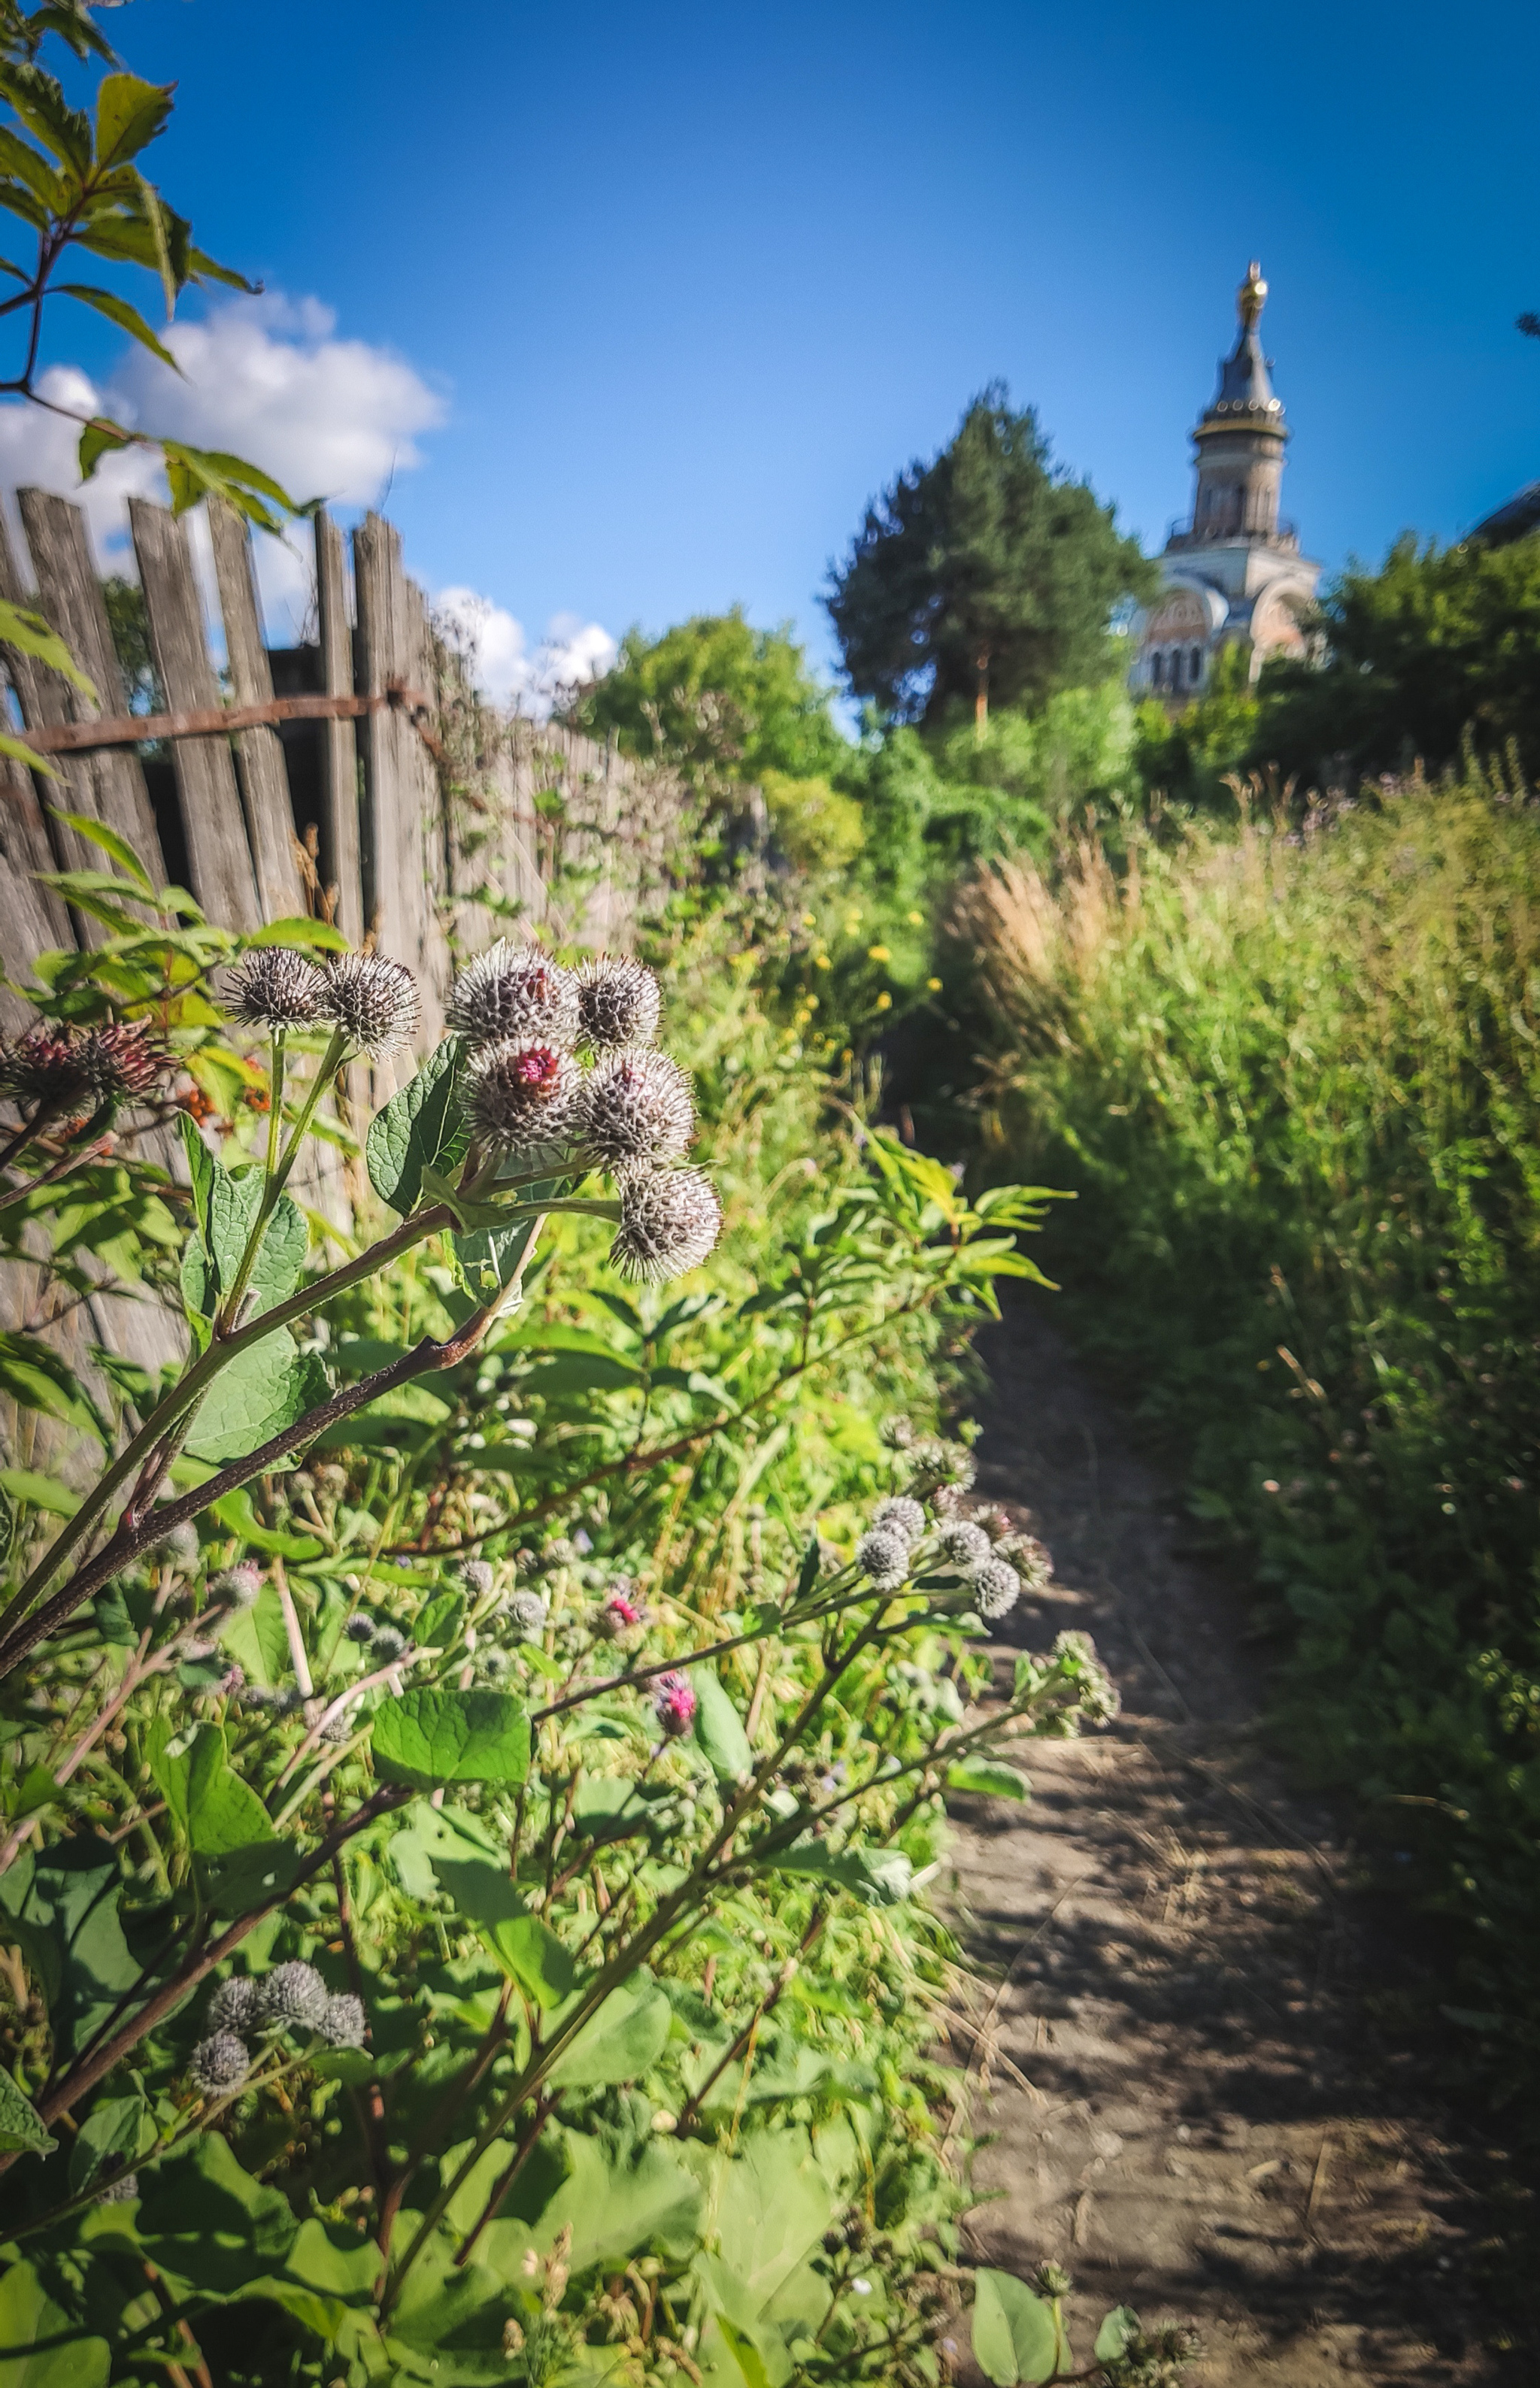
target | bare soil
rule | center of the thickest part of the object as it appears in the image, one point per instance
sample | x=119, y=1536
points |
x=1193, y=2108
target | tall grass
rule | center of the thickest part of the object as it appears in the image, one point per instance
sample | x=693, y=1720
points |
x=1294, y=1075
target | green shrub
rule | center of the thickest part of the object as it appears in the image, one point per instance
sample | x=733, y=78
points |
x=1437, y=649
x=1294, y=1077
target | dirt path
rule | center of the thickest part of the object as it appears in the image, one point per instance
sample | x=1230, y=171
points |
x=1193, y=2112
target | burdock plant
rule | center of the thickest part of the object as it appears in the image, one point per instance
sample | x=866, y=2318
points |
x=531, y=1122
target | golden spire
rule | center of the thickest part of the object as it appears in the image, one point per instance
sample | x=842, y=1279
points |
x=1252, y=297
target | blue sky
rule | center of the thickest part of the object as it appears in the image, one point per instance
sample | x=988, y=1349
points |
x=685, y=285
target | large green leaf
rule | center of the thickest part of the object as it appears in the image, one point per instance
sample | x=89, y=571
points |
x=771, y=2202
x=986, y=1778
x=130, y=113
x=265, y=1387
x=233, y=1203
x=300, y=930
x=618, y=2202
x=109, y=2135
x=718, y=1728
x=420, y=1128
x=427, y=1738
x=1014, y=2338
x=207, y=2219
x=537, y=1960
x=218, y=1812
x=20, y=2124
x=40, y=2346
x=624, y=2039
x=120, y=312
x=1113, y=2339
x=257, y=1639
x=69, y=1895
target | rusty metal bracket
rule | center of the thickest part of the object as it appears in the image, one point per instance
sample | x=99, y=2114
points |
x=220, y=721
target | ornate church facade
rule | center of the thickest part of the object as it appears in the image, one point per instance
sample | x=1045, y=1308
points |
x=1233, y=574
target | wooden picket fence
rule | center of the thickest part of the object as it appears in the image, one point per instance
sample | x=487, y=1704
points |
x=409, y=810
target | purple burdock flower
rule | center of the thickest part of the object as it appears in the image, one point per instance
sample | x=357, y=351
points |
x=635, y=1109
x=235, y=1587
x=124, y=1060
x=669, y=1223
x=521, y=1096
x=901, y=1517
x=674, y=1699
x=294, y=1998
x=514, y=994
x=343, y=2021
x=219, y=2063
x=618, y=1003
x=45, y=1069
x=964, y=1544
x=995, y=1588
x=882, y=1555
x=236, y=2006
x=528, y=1615
x=372, y=1001
x=275, y=989
x=619, y=1614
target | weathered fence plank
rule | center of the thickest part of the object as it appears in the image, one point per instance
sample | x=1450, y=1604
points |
x=33, y=917
x=219, y=859
x=108, y=786
x=401, y=876
x=339, y=827
x=269, y=814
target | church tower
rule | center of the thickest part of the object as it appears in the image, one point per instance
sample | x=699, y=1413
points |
x=1233, y=574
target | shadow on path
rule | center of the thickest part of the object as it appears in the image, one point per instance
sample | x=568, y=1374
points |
x=1192, y=2111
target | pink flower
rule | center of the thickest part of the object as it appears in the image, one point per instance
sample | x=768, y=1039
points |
x=675, y=1703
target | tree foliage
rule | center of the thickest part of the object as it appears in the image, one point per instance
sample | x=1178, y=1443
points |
x=986, y=575
x=718, y=699
x=1439, y=646
x=1190, y=756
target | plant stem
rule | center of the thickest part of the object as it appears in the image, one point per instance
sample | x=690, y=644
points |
x=310, y=1298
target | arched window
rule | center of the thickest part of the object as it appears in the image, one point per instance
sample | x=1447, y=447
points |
x=1195, y=666
x=1157, y=663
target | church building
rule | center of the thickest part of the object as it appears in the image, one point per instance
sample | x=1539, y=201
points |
x=1233, y=575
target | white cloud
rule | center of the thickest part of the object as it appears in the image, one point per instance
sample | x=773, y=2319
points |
x=497, y=648
x=266, y=379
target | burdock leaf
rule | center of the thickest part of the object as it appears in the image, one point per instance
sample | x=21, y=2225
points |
x=418, y=1128
x=718, y=1728
x=428, y=1737
x=20, y=2124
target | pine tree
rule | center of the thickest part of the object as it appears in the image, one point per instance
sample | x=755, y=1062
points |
x=985, y=574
